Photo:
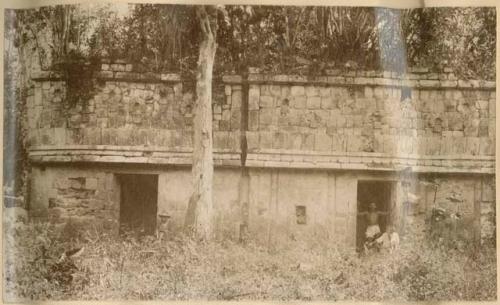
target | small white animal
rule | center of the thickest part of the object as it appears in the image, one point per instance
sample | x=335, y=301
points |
x=394, y=237
x=162, y=225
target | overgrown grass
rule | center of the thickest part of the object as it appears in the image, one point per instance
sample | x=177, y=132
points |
x=112, y=268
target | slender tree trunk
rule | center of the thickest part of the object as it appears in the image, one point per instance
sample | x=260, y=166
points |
x=200, y=213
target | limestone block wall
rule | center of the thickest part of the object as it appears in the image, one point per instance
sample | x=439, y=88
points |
x=87, y=196
x=392, y=118
x=359, y=120
x=329, y=201
x=127, y=109
x=174, y=191
x=358, y=114
x=91, y=196
x=305, y=142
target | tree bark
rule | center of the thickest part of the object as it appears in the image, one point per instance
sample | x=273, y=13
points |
x=199, y=221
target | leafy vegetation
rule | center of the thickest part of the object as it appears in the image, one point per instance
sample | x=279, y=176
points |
x=182, y=269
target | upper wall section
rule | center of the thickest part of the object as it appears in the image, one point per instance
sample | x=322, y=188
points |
x=431, y=122
x=371, y=120
x=132, y=117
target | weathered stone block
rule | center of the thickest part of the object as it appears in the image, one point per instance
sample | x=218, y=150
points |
x=492, y=107
x=472, y=146
x=338, y=92
x=267, y=101
x=221, y=139
x=224, y=125
x=252, y=141
x=487, y=146
x=265, y=90
x=328, y=102
x=368, y=92
x=322, y=142
x=278, y=140
x=389, y=145
x=458, y=146
x=77, y=182
x=226, y=115
x=234, y=141
x=341, y=121
x=354, y=144
x=285, y=91
x=491, y=127
x=307, y=141
x=235, y=119
x=379, y=92
x=324, y=91
x=450, y=105
x=483, y=128
x=265, y=139
x=236, y=99
x=296, y=141
x=298, y=102
x=265, y=117
x=313, y=102
x=455, y=121
x=91, y=183
x=297, y=91
x=312, y=91
x=59, y=136
x=471, y=127
x=275, y=90
x=429, y=83
x=253, y=97
x=456, y=94
x=482, y=104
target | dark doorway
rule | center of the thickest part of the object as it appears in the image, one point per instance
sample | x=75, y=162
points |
x=379, y=192
x=138, y=203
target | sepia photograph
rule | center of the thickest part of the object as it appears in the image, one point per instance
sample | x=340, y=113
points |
x=172, y=152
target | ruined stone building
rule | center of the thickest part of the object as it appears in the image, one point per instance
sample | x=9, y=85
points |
x=296, y=157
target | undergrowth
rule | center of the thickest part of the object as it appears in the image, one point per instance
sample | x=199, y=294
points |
x=112, y=268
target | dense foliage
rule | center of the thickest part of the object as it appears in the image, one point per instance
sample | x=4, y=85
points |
x=276, y=38
x=181, y=269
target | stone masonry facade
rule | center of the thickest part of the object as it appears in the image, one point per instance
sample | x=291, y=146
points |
x=280, y=142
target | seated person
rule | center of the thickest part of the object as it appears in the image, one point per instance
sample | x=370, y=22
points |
x=372, y=219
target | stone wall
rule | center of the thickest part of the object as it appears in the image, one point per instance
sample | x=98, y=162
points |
x=127, y=109
x=305, y=142
x=174, y=187
x=431, y=122
x=89, y=196
x=417, y=116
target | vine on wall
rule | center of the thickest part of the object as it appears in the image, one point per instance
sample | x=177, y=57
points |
x=80, y=79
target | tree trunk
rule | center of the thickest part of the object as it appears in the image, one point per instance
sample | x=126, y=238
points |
x=200, y=213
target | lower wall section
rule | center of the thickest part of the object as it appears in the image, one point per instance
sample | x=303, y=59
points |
x=302, y=205
x=272, y=205
x=174, y=191
x=84, y=195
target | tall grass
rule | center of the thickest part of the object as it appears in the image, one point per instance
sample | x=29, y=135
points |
x=112, y=268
